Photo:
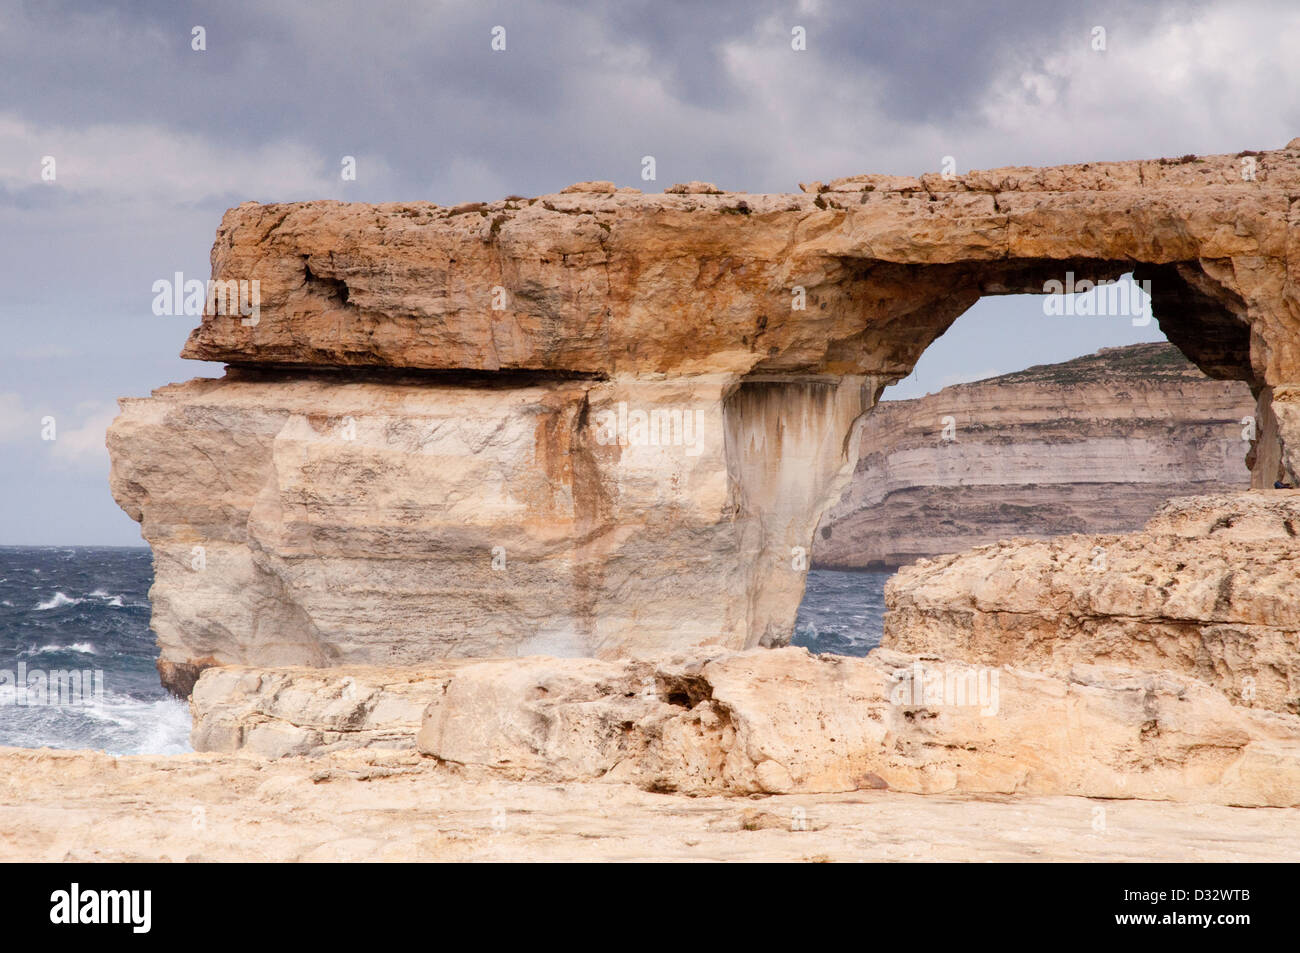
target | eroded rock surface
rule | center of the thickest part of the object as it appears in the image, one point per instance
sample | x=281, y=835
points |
x=275, y=713
x=610, y=282
x=313, y=520
x=782, y=722
x=1209, y=589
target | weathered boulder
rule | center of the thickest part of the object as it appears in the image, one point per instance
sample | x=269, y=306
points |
x=1208, y=589
x=275, y=713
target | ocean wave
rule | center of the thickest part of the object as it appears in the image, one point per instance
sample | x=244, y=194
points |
x=87, y=611
x=115, y=601
x=84, y=648
x=116, y=724
x=60, y=599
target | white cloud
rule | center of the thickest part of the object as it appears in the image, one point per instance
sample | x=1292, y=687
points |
x=160, y=165
x=14, y=418
x=78, y=436
x=1216, y=79
x=1210, y=80
x=82, y=445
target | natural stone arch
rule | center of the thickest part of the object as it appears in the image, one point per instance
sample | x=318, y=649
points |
x=1207, y=330
x=501, y=331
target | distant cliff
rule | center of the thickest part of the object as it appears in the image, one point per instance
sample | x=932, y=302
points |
x=1092, y=445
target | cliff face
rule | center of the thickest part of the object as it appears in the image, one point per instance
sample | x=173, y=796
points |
x=312, y=519
x=1092, y=445
x=602, y=423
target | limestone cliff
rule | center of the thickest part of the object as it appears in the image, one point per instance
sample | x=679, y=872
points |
x=323, y=520
x=601, y=422
x=1092, y=445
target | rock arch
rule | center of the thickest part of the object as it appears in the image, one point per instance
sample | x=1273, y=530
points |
x=776, y=319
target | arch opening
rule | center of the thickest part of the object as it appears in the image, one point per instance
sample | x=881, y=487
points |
x=1038, y=415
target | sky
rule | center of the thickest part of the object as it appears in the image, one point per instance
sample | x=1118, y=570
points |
x=153, y=139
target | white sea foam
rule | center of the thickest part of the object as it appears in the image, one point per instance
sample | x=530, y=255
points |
x=118, y=724
x=115, y=601
x=85, y=648
x=60, y=599
x=164, y=728
x=52, y=621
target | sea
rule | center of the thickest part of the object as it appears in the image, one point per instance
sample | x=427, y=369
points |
x=85, y=611
x=77, y=655
x=842, y=613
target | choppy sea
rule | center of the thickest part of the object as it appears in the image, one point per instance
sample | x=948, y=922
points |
x=77, y=656
x=842, y=613
x=75, y=622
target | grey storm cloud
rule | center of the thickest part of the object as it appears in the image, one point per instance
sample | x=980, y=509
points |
x=154, y=140
x=414, y=82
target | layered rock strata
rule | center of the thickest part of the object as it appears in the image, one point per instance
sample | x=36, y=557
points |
x=318, y=520
x=636, y=406
x=1207, y=590
x=1092, y=445
x=786, y=722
